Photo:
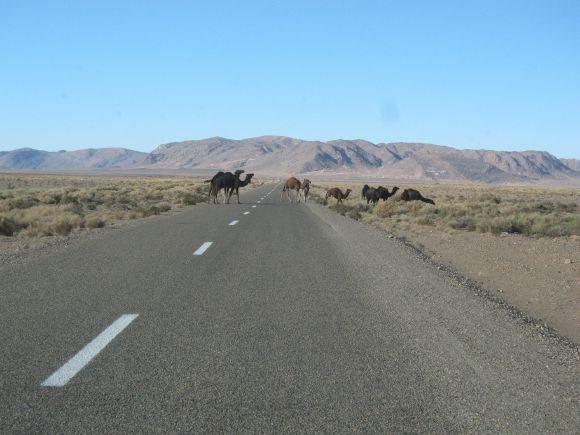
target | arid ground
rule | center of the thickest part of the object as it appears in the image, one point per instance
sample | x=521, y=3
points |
x=520, y=243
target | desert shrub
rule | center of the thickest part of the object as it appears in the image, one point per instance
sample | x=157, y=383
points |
x=386, y=209
x=463, y=223
x=358, y=211
x=7, y=226
x=63, y=225
x=147, y=211
x=489, y=197
x=521, y=223
x=566, y=208
x=164, y=207
x=22, y=202
x=426, y=220
x=342, y=208
x=60, y=225
x=189, y=198
x=51, y=197
x=496, y=225
x=94, y=222
x=155, y=195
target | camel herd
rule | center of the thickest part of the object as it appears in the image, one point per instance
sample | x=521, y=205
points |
x=374, y=194
x=294, y=190
x=229, y=183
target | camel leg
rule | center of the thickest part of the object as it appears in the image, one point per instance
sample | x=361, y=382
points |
x=238, y=195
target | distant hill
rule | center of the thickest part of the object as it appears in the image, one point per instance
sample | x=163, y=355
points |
x=278, y=155
x=103, y=158
x=572, y=163
x=281, y=156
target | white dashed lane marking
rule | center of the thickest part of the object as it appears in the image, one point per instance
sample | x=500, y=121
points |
x=246, y=212
x=87, y=353
x=203, y=248
x=233, y=223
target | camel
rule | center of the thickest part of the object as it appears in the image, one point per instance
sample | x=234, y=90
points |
x=365, y=188
x=384, y=193
x=291, y=183
x=335, y=192
x=415, y=195
x=305, y=189
x=211, y=193
x=238, y=183
x=223, y=180
x=374, y=194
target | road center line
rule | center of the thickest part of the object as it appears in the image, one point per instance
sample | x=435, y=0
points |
x=87, y=353
x=246, y=212
x=254, y=206
x=203, y=248
x=233, y=223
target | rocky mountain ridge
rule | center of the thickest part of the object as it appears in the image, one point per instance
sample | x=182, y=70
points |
x=280, y=155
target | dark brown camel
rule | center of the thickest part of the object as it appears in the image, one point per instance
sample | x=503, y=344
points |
x=365, y=188
x=374, y=194
x=238, y=183
x=335, y=192
x=212, y=181
x=384, y=193
x=291, y=183
x=415, y=195
x=226, y=181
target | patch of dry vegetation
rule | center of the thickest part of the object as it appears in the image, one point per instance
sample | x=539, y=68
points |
x=532, y=211
x=47, y=205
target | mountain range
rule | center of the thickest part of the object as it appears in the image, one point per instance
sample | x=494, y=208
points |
x=282, y=156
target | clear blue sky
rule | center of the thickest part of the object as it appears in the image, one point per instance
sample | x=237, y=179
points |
x=470, y=74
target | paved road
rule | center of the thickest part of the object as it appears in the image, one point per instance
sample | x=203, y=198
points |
x=295, y=319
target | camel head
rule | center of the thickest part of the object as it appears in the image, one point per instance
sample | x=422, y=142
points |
x=394, y=190
x=249, y=177
x=347, y=192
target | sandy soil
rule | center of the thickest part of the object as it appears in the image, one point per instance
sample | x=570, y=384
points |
x=540, y=277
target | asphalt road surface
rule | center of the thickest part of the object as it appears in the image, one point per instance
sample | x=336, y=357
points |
x=293, y=319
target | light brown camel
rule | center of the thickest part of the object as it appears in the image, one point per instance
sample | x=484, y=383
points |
x=291, y=183
x=335, y=192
